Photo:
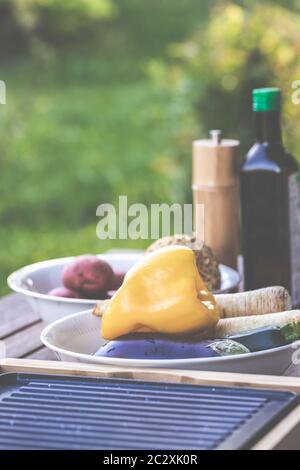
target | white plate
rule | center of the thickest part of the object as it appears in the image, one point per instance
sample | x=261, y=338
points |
x=77, y=338
x=36, y=280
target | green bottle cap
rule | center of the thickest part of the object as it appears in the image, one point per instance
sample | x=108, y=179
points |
x=266, y=99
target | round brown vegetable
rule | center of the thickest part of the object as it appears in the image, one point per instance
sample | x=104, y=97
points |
x=64, y=292
x=117, y=280
x=89, y=276
x=207, y=263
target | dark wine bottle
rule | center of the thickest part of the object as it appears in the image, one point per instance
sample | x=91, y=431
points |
x=269, y=203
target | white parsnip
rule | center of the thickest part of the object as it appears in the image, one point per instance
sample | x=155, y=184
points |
x=232, y=326
x=255, y=302
x=100, y=307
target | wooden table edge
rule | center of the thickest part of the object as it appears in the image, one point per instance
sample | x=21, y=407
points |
x=174, y=375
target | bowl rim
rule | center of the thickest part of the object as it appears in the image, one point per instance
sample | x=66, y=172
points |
x=153, y=362
x=15, y=278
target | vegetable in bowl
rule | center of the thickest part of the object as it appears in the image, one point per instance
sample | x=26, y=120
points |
x=87, y=277
x=154, y=346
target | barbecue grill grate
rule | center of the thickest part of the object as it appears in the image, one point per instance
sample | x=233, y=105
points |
x=60, y=412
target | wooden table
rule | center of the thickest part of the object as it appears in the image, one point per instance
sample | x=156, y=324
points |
x=20, y=328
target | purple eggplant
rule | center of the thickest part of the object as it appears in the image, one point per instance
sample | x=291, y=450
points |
x=155, y=346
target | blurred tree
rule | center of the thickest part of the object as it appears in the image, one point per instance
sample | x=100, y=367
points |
x=22, y=21
x=239, y=49
x=151, y=24
x=67, y=16
x=84, y=124
x=289, y=4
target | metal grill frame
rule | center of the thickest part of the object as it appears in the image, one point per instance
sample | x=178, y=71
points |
x=271, y=407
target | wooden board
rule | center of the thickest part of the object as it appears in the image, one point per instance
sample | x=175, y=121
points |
x=166, y=375
x=18, y=344
x=20, y=328
x=15, y=314
x=44, y=354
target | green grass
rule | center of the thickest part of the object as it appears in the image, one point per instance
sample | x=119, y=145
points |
x=84, y=125
x=72, y=139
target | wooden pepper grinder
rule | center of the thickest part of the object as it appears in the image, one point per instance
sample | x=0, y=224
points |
x=215, y=187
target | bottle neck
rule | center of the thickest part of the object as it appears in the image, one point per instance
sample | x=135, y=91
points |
x=267, y=127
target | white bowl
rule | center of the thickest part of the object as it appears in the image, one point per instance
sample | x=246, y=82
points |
x=36, y=280
x=77, y=338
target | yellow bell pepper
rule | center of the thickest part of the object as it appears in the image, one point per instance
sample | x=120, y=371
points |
x=162, y=293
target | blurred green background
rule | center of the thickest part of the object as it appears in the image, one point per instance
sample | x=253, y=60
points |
x=104, y=97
